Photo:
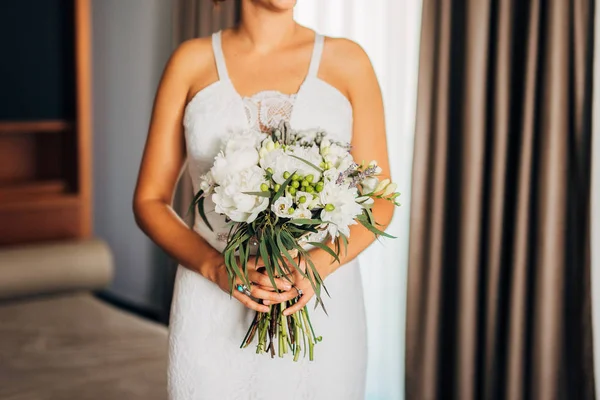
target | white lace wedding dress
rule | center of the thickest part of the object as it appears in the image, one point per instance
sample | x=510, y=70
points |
x=207, y=326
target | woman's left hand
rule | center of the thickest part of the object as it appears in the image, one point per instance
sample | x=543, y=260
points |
x=302, y=285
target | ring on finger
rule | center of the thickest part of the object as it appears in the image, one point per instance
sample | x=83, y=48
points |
x=243, y=289
x=298, y=290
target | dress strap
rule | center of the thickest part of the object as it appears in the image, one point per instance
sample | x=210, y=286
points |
x=316, y=55
x=219, y=58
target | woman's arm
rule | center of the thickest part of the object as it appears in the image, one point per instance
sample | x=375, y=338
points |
x=163, y=158
x=368, y=143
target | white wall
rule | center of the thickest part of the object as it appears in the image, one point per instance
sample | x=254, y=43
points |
x=131, y=43
x=595, y=202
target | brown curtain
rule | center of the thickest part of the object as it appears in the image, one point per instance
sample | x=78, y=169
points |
x=193, y=18
x=499, y=265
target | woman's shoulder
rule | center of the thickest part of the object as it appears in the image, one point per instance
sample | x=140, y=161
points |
x=346, y=57
x=192, y=61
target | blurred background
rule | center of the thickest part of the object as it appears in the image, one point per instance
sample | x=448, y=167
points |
x=493, y=118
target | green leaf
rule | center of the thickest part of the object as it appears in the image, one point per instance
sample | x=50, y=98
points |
x=262, y=247
x=266, y=194
x=202, y=214
x=345, y=242
x=307, y=162
x=327, y=249
x=301, y=221
x=363, y=220
x=194, y=201
x=282, y=188
x=283, y=250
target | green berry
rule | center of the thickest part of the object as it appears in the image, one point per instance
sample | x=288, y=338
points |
x=264, y=187
x=277, y=187
x=323, y=165
x=295, y=177
x=309, y=178
x=319, y=187
x=305, y=183
x=291, y=210
x=309, y=189
x=329, y=207
x=286, y=175
x=295, y=184
x=270, y=170
x=292, y=190
x=302, y=199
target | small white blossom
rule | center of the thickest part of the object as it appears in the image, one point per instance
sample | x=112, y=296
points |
x=382, y=185
x=369, y=184
x=344, y=208
x=282, y=206
x=206, y=182
x=391, y=188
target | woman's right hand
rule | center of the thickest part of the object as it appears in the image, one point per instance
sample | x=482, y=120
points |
x=261, y=288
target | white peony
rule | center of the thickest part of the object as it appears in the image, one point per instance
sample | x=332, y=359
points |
x=282, y=206
x=343, y=208
x=233, y=162
x=241, y=140
x=230, y=198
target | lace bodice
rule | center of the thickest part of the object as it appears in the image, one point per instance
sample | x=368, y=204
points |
x=266, y=109
x=206, y=326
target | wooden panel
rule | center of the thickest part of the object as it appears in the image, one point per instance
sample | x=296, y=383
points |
x=16, y=158
x=39, y=220
x=16, y=127
x=84, y=111
x=31, y=190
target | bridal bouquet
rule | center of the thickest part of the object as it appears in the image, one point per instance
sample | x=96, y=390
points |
x=282, y=194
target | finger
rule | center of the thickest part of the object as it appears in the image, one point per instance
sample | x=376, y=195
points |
x=298, y=306
x=263, y=280
x=284, y=296
x=248, y=302
x=271, y=297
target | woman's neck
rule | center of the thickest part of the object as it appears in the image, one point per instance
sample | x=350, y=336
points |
x=266, y=29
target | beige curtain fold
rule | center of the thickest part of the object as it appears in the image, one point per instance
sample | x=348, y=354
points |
x=194, y=18
x=499, y=285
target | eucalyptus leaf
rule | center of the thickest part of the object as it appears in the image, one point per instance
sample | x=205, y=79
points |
x=202, y=214
x=307, y=162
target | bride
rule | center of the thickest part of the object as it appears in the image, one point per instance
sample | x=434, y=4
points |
x=268, y=69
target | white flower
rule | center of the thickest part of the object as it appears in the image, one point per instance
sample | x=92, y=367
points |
x=390, y=189
x=230, y=198
x=241, y=140
x=340, y=208
x=382, y=185
x=206, y=182
x=339, y=157
x=279, y=161
x=282, y=206
x=369, y=184
x=373, y=164
x=302, y=213
x=233, y=162
x=310, y=154
x=365, y=201
x=307, y=137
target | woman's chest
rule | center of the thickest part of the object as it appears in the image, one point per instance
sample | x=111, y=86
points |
x=218, y=111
